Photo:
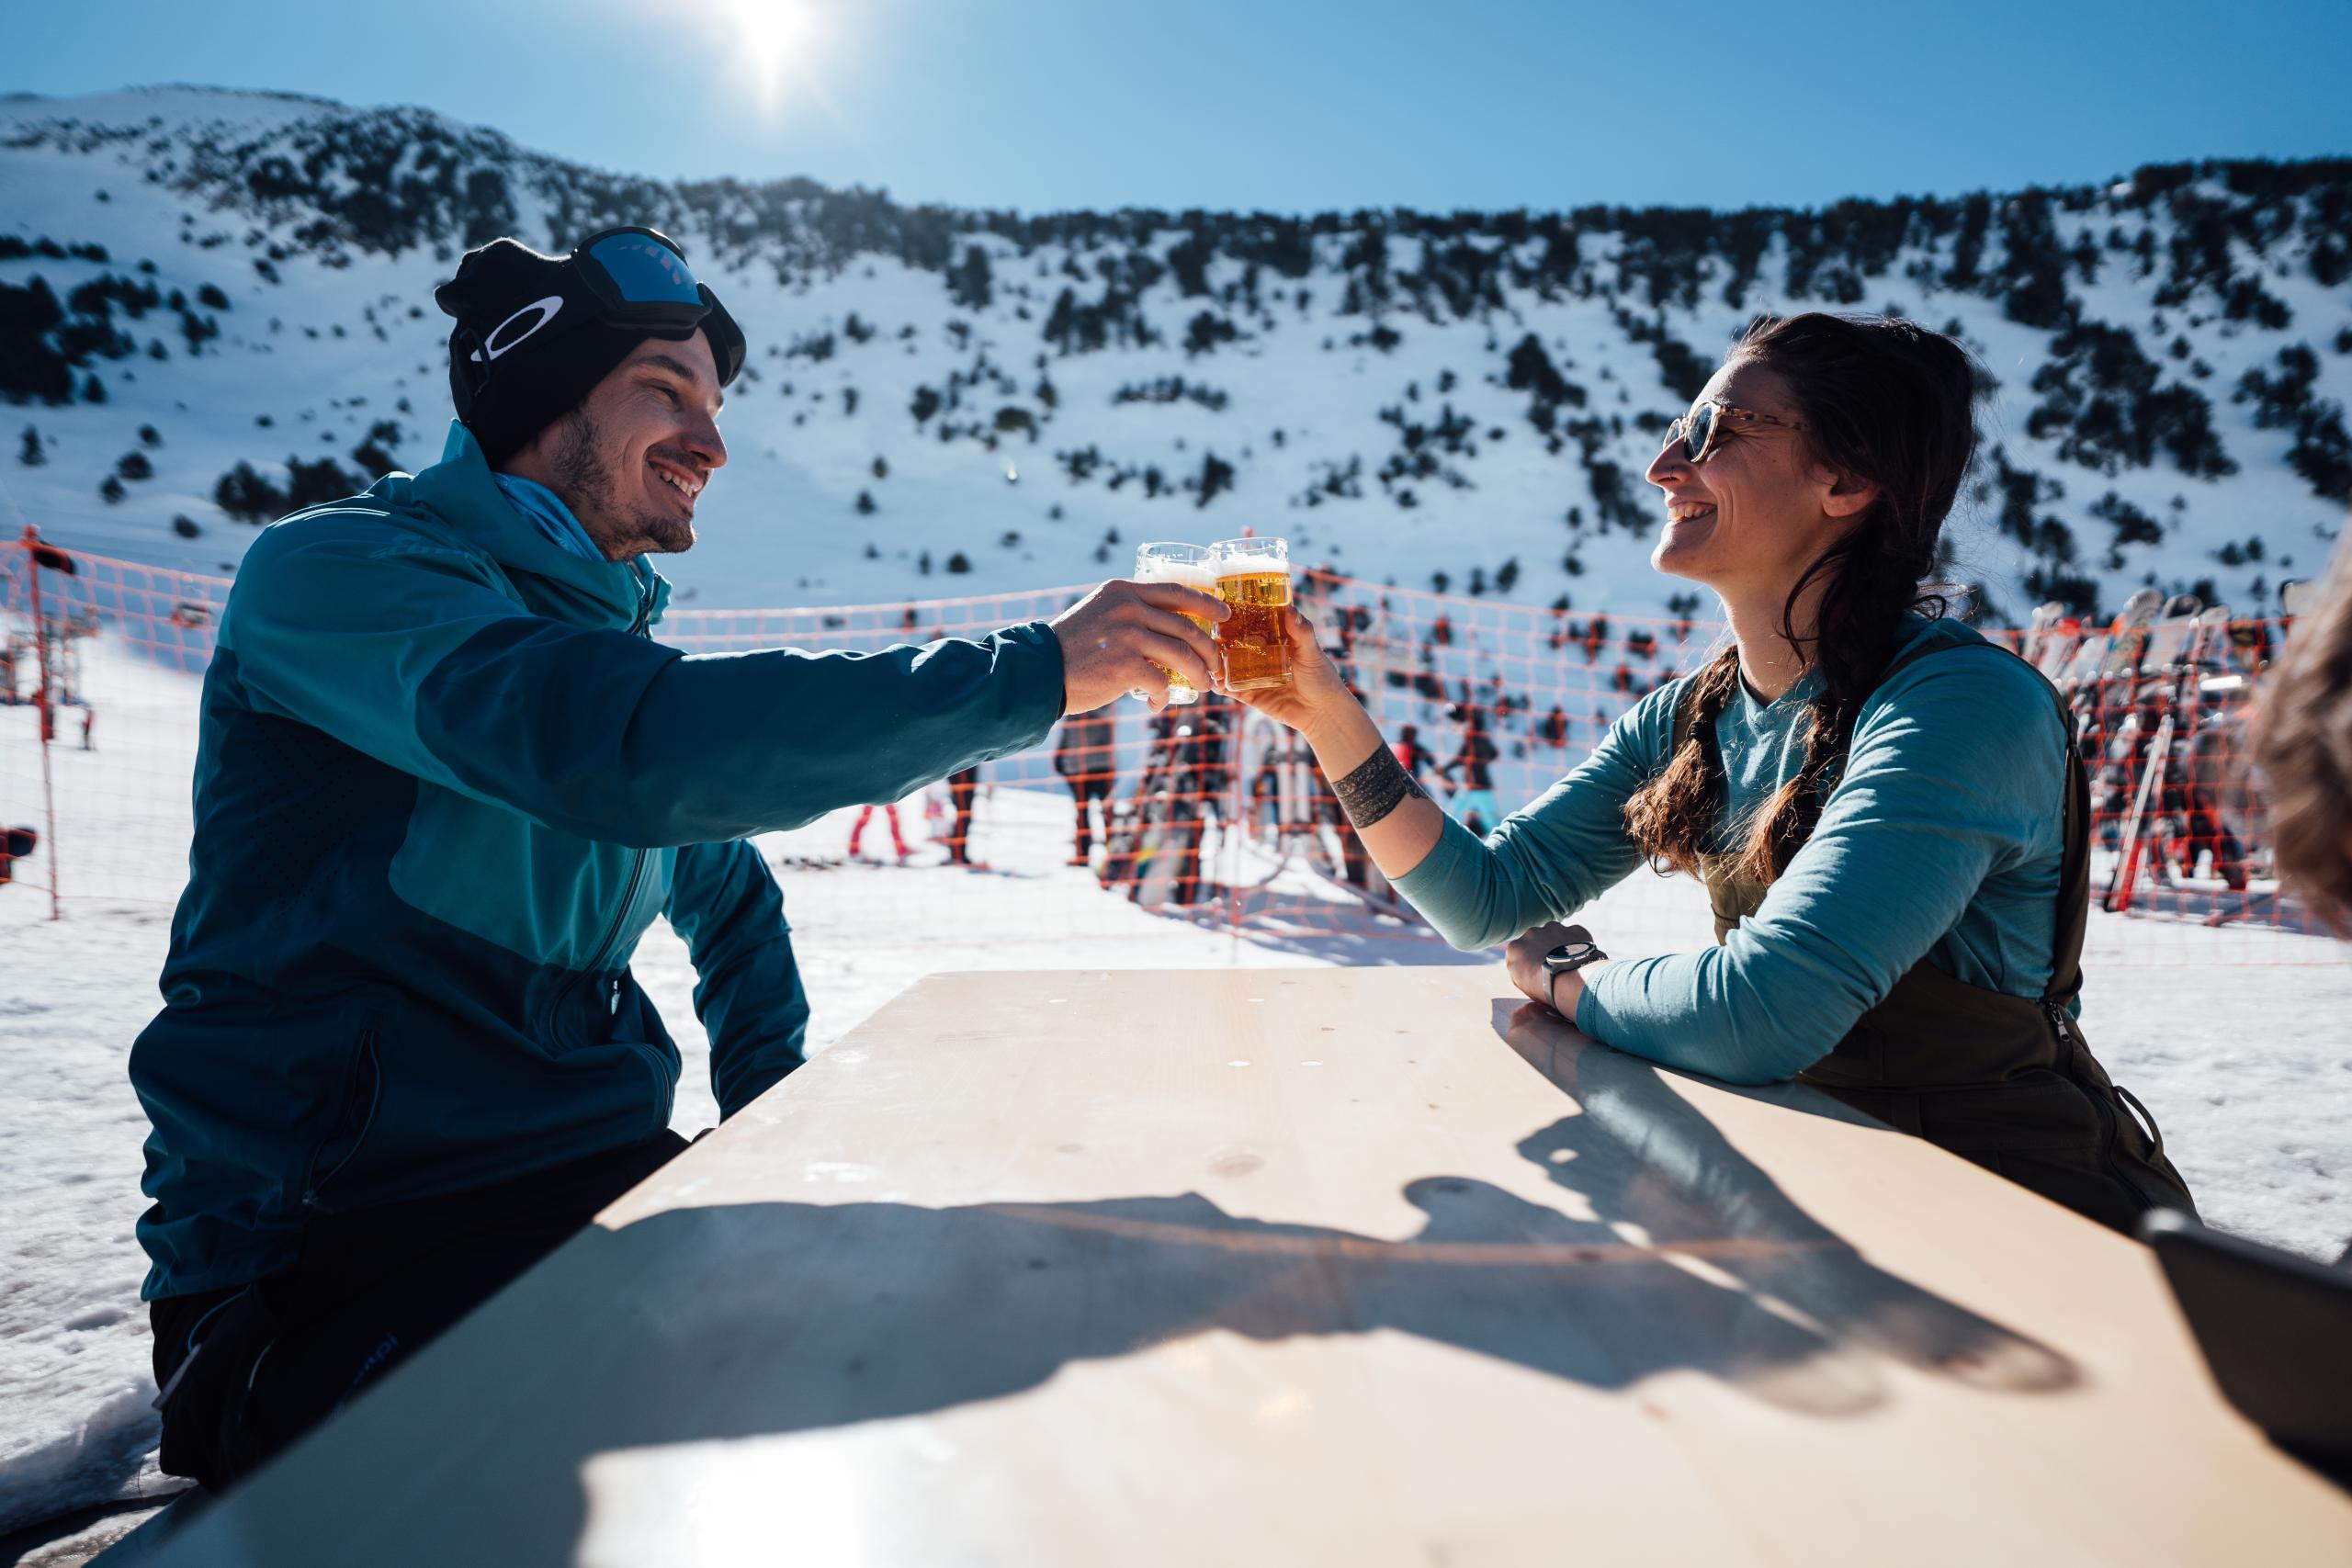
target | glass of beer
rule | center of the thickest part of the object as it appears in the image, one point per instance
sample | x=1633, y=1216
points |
x=1254, y=579
x=1192, y=566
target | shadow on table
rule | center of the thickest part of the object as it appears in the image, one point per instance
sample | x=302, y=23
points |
x=757, y=1319
x=1365, y=947
x=1347, y=935
x=1641, y=1155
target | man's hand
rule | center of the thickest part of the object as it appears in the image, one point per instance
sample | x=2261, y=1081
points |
x=1122, y=637
x=1524, y=959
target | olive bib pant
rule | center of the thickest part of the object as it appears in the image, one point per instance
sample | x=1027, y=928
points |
x=2006, y=1082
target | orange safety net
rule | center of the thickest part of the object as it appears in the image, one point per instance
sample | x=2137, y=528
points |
x=100, y=663
x=1208, y=812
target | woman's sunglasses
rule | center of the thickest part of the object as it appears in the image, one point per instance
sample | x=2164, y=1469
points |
x=1702, y=427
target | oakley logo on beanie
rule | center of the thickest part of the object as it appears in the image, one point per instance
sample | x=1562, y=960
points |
x=505, y=336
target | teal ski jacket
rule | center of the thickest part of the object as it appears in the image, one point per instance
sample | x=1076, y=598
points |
x=445, y=781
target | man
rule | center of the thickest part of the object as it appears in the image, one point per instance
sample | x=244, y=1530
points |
x=445, y=781
x=1196, y=738
x=1086, y=758
x=963, y=788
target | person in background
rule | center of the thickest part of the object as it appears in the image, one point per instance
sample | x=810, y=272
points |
x=1266, y=794
x=1354, y=865
x=889, y=811
x=1084, y=757
x=1197, y=736
x=1887, y=810
x=963, y=785
x=1412, y=756
x=1474, y=797
x=15, y=844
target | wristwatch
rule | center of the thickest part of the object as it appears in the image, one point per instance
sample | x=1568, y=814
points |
x=1568, y=958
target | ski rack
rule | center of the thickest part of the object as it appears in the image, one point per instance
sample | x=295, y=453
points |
x=2178, y=644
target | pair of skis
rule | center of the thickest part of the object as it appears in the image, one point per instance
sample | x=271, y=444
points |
x=2176, y=644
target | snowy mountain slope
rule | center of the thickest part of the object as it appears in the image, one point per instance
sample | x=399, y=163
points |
x=946, y=402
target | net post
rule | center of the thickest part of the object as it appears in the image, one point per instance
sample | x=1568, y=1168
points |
x=48, y=718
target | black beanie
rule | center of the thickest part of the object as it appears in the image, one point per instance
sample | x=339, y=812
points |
x=528, y=346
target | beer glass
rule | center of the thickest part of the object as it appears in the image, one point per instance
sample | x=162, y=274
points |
x=1192, y=567
x=1253, y=578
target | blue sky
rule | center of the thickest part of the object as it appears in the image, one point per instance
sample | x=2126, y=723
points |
x=1039, y=105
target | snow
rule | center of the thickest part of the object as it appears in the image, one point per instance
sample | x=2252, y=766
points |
x=2233, y=1037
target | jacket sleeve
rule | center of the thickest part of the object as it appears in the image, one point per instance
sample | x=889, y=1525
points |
x=1957, y=773
x=418, y=654
x=726, y=905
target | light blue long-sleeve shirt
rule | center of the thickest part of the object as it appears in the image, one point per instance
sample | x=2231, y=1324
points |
x=1942, y=840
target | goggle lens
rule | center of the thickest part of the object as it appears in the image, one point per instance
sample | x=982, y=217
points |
x=645, y=271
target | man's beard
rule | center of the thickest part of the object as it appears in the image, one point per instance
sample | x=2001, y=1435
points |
x=591, y=488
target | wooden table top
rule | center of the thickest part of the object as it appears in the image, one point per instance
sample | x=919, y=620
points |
x=1361, y=1265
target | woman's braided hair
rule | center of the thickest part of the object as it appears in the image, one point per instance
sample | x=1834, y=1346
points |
x=1890, y=402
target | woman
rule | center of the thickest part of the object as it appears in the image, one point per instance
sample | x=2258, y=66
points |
x=1886, y=809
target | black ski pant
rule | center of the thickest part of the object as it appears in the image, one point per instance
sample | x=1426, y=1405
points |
x=961, y=788
x=246, y=1370
x=1084, y=787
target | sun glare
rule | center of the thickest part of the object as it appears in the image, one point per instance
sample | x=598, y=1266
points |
x=776, y=41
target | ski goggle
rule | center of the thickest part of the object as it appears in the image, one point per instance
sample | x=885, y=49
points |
x=640, y=279
x=1702, y=428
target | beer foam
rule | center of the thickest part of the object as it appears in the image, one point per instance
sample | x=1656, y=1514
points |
x=1187, y=573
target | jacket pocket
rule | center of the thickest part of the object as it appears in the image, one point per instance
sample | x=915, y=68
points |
x=2038, y=1112
x=354, y=1120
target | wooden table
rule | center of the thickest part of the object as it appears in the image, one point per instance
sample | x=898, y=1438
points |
x=1348, y=1267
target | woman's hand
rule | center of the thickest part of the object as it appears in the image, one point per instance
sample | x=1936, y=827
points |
x=1314, y=693
x=1524, y=959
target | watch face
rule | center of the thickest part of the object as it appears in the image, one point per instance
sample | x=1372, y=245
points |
x=1569, y=954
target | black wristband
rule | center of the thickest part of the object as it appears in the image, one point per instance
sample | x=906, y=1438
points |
x=1378, y=786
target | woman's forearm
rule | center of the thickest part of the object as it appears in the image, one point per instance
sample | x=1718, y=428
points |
x=1538, y=864
x=1541, y=863
x=1405, y=831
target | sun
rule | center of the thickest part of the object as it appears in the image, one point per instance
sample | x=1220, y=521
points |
x=777, y=40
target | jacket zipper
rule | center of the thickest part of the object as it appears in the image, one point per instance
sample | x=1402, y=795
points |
x=642, y=626
x=639, y=627
x=365, y=1055
x=2104, y=1104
